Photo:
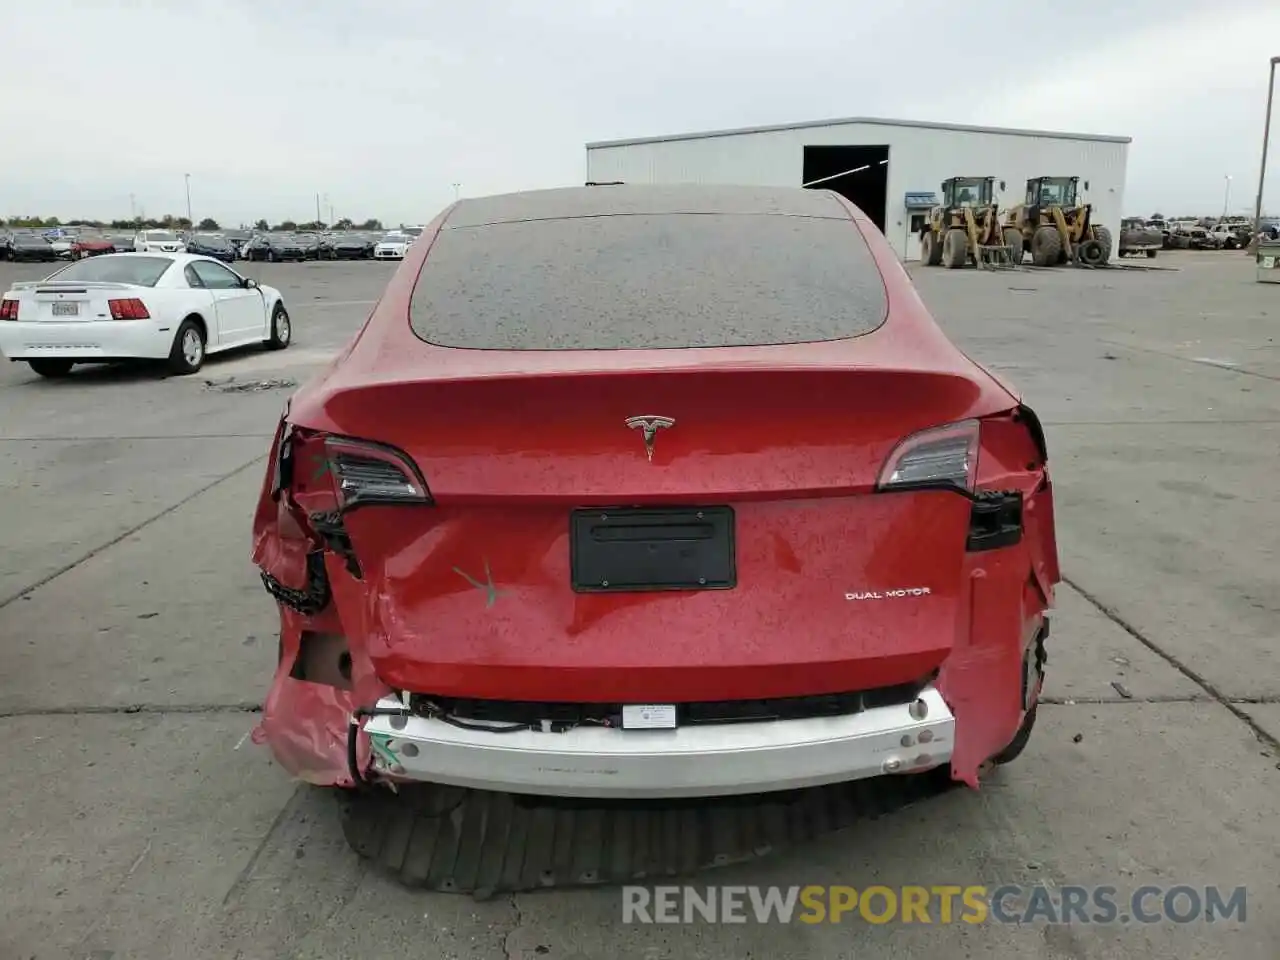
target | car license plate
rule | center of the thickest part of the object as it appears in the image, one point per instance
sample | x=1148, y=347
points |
x=647, y=549
x=66, y=309
x=648, y=716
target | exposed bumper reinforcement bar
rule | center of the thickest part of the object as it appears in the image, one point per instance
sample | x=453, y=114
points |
x=692, y=761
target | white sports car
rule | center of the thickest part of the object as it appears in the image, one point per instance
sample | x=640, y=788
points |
x=392, y=246
x=136, y=306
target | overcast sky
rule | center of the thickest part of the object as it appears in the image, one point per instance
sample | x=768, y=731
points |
x=383, y=106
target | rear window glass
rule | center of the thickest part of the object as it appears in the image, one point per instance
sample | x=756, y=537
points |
x=664, y=281
x=130, y=268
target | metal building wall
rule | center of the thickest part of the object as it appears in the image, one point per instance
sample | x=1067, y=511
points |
x=920, y=158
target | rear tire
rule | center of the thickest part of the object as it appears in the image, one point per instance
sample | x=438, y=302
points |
x=1020, y=739
x=1151, y=254
x=1013, y=240
x=1103, y=236
x=53, y=369
x=281, y=329
x=1046, y=246
x=955, y=248
x=187, y=354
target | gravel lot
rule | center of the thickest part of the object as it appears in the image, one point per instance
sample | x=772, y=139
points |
x=142, y=823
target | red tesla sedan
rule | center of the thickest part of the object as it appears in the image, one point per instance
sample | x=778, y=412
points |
x=654, y=491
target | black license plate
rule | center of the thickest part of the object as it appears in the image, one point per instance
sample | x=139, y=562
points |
x=652, y=549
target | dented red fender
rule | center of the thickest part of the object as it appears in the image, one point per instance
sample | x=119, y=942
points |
x=1009, y=592
x=305, y=723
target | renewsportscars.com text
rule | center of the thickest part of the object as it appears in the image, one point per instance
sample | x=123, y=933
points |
x=939, y=904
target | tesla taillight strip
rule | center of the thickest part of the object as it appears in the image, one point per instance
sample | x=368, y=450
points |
x=938, y=458
x=365, y=472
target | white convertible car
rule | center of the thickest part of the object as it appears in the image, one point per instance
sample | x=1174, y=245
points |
x=138, y=306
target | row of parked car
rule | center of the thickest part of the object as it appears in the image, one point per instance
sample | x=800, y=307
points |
x=1147, y=235
x=285, y=247
x=228, y=246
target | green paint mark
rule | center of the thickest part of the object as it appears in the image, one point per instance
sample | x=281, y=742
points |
x=491, y=591
x=381, y=744
x=322, y=469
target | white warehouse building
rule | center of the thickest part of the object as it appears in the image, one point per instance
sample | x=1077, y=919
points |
x=892, y=169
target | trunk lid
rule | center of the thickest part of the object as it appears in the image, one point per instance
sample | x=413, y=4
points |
x=831, y=595
x=575, y=439
x=69, y=301
x=833, y=587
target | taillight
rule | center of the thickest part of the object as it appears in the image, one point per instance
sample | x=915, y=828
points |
x=131, y=309
x=366, y=472
x=944, y=456
x=8, y=309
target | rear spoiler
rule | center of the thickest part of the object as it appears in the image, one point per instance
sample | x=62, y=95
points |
x=59, y=285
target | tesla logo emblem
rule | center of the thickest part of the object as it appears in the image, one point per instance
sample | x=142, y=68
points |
x=649, y=427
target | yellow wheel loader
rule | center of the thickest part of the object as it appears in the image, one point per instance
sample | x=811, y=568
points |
x=1056, y=227
x=965, y=227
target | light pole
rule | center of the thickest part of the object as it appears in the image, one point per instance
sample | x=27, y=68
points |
x=187, y=177
x=1226, y=197
x=1266, y=139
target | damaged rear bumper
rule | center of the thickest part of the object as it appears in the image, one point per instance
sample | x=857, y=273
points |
x=691, y=761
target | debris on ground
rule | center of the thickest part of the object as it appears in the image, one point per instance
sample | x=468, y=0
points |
x=1122, y=689
x=230, y=385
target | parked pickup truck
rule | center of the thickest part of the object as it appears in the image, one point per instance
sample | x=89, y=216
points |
x=1137, y=237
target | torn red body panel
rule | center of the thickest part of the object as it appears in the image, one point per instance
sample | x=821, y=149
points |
x=867, y=518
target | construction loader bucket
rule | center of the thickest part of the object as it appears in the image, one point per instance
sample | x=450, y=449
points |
x=994, y=258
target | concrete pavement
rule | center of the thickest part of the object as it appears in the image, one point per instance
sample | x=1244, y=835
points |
x=142, y=823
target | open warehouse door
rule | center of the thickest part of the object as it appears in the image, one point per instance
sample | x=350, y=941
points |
x=859, y=174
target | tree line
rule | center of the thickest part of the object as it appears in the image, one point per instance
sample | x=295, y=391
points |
x=170, y=222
